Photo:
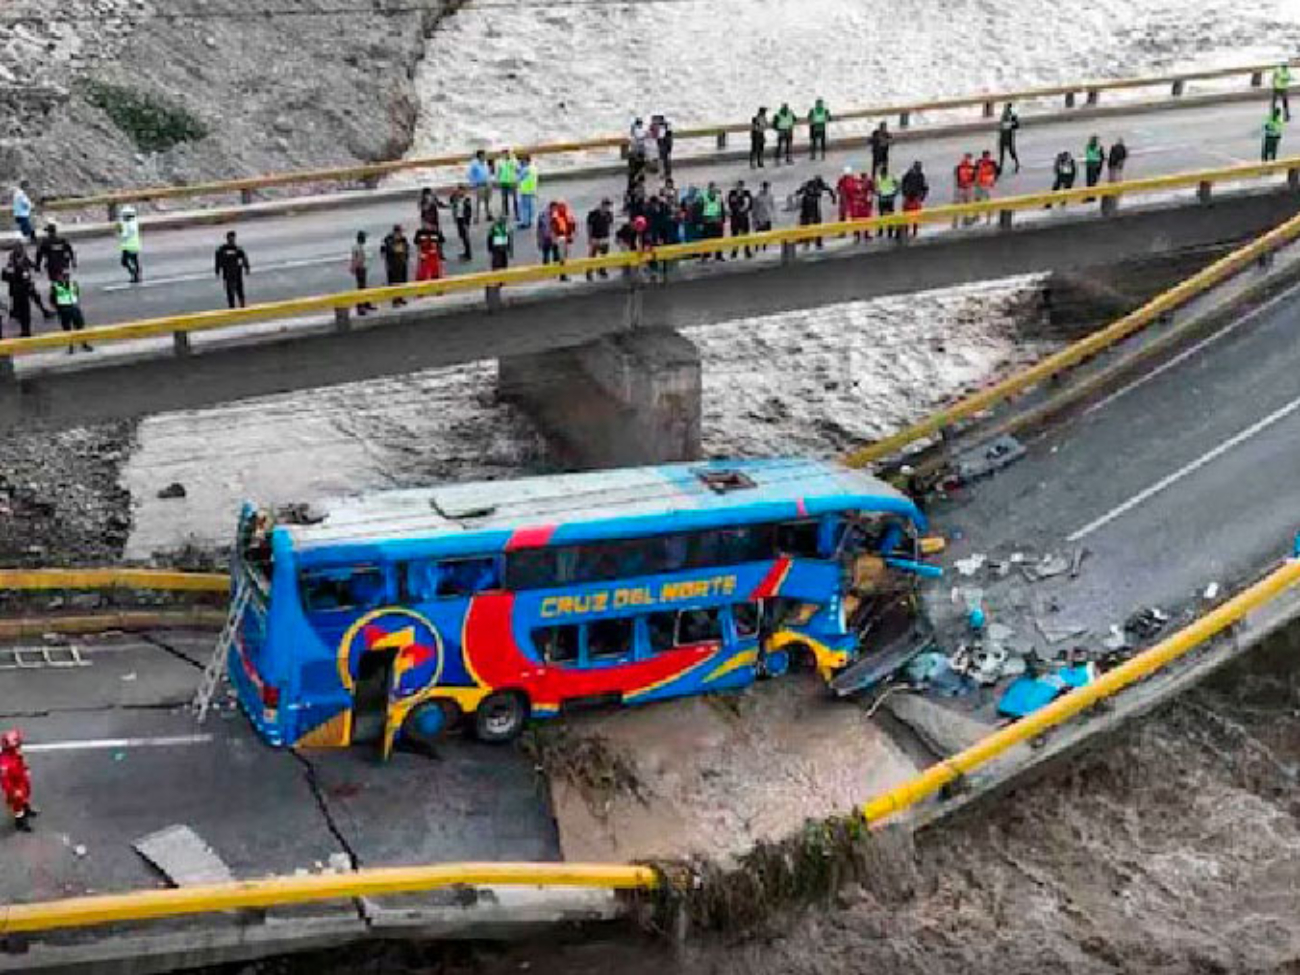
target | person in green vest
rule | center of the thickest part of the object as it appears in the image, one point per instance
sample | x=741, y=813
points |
x=499, y=243
x=128, y=239
x=508, y=180
x=1281, y=85
x=1272, y=135
x=1094, y=157
x=528, y=177
x=887, y=196
x=818, y=116
x=783, y=122
x=65, y=295
x=713, y=208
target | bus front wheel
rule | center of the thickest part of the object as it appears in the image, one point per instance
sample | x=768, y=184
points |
x=500, y=717
x=429, y=720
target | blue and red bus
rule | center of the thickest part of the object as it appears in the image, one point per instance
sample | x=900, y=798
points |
x=400, y=613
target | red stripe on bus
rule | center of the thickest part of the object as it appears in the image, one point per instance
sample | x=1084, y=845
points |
x=533, y=536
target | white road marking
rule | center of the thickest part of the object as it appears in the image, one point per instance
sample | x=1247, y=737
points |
x=1267, y=306
x=1186, y=469
x=205, y=276
x=107, y=743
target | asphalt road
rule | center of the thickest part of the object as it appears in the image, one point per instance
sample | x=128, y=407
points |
x=1186, y=478
x=115, y=756
x=297, y=255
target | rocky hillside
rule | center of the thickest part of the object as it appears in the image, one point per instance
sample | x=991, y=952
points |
x=106, y=93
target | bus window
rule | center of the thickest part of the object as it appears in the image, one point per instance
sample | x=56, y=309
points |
x=698, y=626
x=355, y=588
x=748, y=618
x=450, y=578
x=798, y=539
x=609, y=640
x=557, y=644
x=661, y=630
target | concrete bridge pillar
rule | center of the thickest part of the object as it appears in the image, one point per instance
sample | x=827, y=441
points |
x=626, y=399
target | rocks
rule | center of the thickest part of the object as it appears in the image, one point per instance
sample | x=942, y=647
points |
x=173, y=490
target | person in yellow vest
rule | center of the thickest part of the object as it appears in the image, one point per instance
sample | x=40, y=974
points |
x=508, y=180
x=1281, y=85
x=528, y=176
x=128, y=239
x=783, y=122
x=1272, y=135
x=818, y=116
x=65, y=294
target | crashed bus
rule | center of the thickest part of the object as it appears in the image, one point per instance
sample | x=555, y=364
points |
x=395, y=615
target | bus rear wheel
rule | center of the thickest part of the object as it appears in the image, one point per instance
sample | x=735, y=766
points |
x=500, y=717
x=429, y=720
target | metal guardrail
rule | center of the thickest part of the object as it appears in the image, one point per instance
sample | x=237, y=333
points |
x=99, y=622
x=77, y=912
x=1091, y=90
x=156, y=579
x=1177, y=296
x=1063, y=708
x=180, y=327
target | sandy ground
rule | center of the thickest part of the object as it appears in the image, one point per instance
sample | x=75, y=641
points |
x=715, y=774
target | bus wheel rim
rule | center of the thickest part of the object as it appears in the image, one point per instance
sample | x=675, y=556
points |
x=777, y=663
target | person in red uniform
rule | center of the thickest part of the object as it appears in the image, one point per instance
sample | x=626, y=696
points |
x=963, y=178
x=846, y=188
x=16, y=780
x=429, y=260
x=864, y=192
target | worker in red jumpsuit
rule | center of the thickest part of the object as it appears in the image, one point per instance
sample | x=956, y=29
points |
x=846, y=187
x=860, y=206
x=16, y=780
x=427, y=242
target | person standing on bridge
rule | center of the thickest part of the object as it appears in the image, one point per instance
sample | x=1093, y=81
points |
x=479, y=177
x=846, y=187
x=1094, y=157
x=784, y=125
x=508, y=181
x=818, y=118
x=758, y=127
x=528, y=177
x=23, y=292
x=740, y=204
x=360, y=265
x=231, y=266
x=396, y=251
x=1006, y=128
x=462, y=211
x=22, y=207
x=16, y=780
x=810, y=204
x=600, y=225
x=963, y=185
x=1272, y=135
x=986, y=178
x=887, y=198
x=864, y=189
x=128, y=239
x=546, y=237
x=764, y=211
x=1115, y=160
x=55, y=253
x=881, y=140
x=428, y=252
x=662, y=131
x=916, y=188
x=1281, y=86
x=1064, y=171
x=65, y=294
x=499, y=243
x=713, y=213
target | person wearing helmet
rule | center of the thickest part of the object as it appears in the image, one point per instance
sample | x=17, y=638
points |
x=16, y=779
x=128, y=238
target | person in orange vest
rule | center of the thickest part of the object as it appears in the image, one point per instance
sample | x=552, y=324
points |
x=986, y=177
x=563, y=230
x=963, y=177
x=16, y=779
x=845, y=187
x=864, y=191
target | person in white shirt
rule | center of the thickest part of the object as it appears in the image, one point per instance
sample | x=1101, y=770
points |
x=22, y=205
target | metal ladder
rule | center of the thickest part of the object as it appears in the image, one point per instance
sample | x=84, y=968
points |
x=216, y=668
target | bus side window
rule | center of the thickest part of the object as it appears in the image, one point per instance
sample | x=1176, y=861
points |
x=359, y=587
x=698, y=626
x=661, y=631
x=798, y=539
x=609, y=640
x=450, y=578
x=748, y=618
x=557, y=644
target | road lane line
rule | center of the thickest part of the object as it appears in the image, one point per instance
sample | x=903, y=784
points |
x=204, y=276
x=1186, y=469
x=92, y=744
x=1254, y=313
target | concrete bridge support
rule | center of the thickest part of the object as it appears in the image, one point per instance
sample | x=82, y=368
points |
x=625, y=399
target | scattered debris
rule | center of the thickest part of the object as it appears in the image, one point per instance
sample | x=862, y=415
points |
x=79, y=850
x=1076, y=561
x=1117, y=640
x=1051, y=565
x=1028, y=694
x=340, y=863
x=173, y=490
x=970, y=565
x=988, y=458
x=129, y=677
x=1146, y=623
x=183, y=857
x=883, y=663
x=1211, y=592
x=1057, y=632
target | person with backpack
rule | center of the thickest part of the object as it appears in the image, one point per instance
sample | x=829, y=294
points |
x=1008, y=126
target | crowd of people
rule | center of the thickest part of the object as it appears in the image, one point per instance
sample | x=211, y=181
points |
x=503, y=192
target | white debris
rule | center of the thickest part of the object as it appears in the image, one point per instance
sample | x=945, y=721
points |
x=1211, y=592
x=1051, y=565
x=129, y=677
x=340, y=863
x=1116, y=640
x=970, y=565
x=79, y=850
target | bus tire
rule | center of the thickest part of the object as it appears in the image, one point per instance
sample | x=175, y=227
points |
x=427, y=721
x=801, y=658
x=774, y=663
x=500, y=717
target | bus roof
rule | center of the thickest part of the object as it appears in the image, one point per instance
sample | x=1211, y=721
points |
x=567, y=508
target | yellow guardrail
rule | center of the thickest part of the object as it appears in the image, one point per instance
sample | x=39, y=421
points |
x=370, y=171
x=1077, y=352
x=1067, y=706
x=128, y=619
x=144, y=905
x=196, y=322
x=159, y=579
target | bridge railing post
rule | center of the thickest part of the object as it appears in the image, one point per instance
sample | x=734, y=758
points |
x=904, y=119
x=722, y=140
x=1256, y=79
x=492, y=294
x=787, y=252
x=1006, y=218
x=1205, y=191
x=342, y=319
x=181, y=344
x=1293, y=179
x=1069, y=99
x=1109, y=205
x=246, y=196
x=988, y=109
x=7, y=373
x=1177, y=88
x=1093, y=96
